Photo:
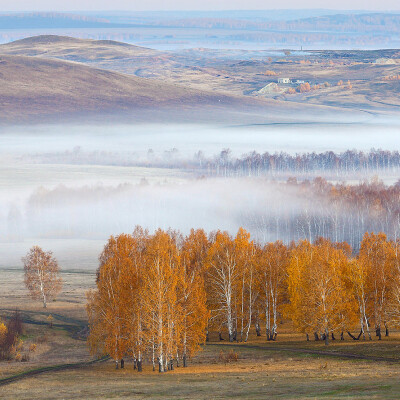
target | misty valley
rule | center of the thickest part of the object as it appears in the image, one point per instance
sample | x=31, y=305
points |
x=73, y=186
x=199, y=204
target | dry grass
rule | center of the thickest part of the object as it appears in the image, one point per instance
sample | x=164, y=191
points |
x=259, y=369
x=34, y=86
x=274, y=376
x=36, y=83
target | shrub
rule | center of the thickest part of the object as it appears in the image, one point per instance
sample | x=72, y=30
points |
x=304, y=88
x=232, y=356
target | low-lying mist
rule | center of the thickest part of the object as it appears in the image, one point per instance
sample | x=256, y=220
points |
x=68, y=188
x=268, y=210
x=303, y=134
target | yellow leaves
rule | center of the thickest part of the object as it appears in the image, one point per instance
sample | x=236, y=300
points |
x=316, y=290
x=3, y=332
x=148, y=295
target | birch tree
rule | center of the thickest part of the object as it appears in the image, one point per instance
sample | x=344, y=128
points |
x=272, y=264
x=224, y=278
x=42, y=275
x=106, y=307
x=192, y=295
x=317, y=292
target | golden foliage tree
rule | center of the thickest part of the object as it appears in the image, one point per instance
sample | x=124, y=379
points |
x=272, y=264
x=224, y=280
x=106, y=306
x=147, y=300
x=316, y=289
x=192, y=294
x=378, y=257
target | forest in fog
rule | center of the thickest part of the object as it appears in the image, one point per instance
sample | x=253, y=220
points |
x=269, y=210
x=350, y=163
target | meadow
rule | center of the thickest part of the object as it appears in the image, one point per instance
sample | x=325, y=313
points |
x=289, y=368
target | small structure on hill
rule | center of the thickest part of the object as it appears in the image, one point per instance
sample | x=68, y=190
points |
x=284, y=81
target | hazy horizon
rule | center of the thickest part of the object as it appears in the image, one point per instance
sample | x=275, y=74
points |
x=205, y=5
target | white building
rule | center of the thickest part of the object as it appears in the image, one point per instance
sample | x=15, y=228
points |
x=285, y=81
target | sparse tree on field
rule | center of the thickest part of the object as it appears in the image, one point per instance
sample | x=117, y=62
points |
x=42, y=275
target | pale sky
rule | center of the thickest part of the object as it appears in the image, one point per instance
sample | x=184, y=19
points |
x=144, y=5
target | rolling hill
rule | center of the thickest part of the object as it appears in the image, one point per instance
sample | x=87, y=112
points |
x=38, y=84
x=68, y=48
x=37, y=88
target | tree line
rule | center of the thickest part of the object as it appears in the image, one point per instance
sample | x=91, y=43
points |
x=339, y=212
x=250, y=164
x=256, y=164
x=160, y=295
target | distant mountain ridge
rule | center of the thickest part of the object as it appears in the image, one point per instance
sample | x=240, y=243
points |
x=345, y=21
x=52, y=20
x=328, y=30
x=359, y=23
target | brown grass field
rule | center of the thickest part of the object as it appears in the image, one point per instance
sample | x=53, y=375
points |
x=53, y=78
x=289, y=368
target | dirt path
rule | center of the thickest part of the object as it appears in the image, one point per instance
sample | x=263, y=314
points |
x=70, y=325
x=52, y=368
x=308, y=351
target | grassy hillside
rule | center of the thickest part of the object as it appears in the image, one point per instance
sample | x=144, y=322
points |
x=32, y=86
x=68, y=48
x=38, y=80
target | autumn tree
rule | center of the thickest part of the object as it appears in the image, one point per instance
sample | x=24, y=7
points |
x=246, y=290
x=272, y=264
x=192, y=295
x=224, y=280
x=150, y=298
x=133, y=311
x=316, y=290
x=160, y=283
x=355, y=278
x=304, y=88
x=106, y=307
x=42, y=275
x=378, y=257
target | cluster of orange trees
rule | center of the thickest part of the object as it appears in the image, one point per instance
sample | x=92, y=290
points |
x=159, y=295
x=391, y=78
x=150, y=298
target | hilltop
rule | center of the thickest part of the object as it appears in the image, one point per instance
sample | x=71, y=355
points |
x=68, y=48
